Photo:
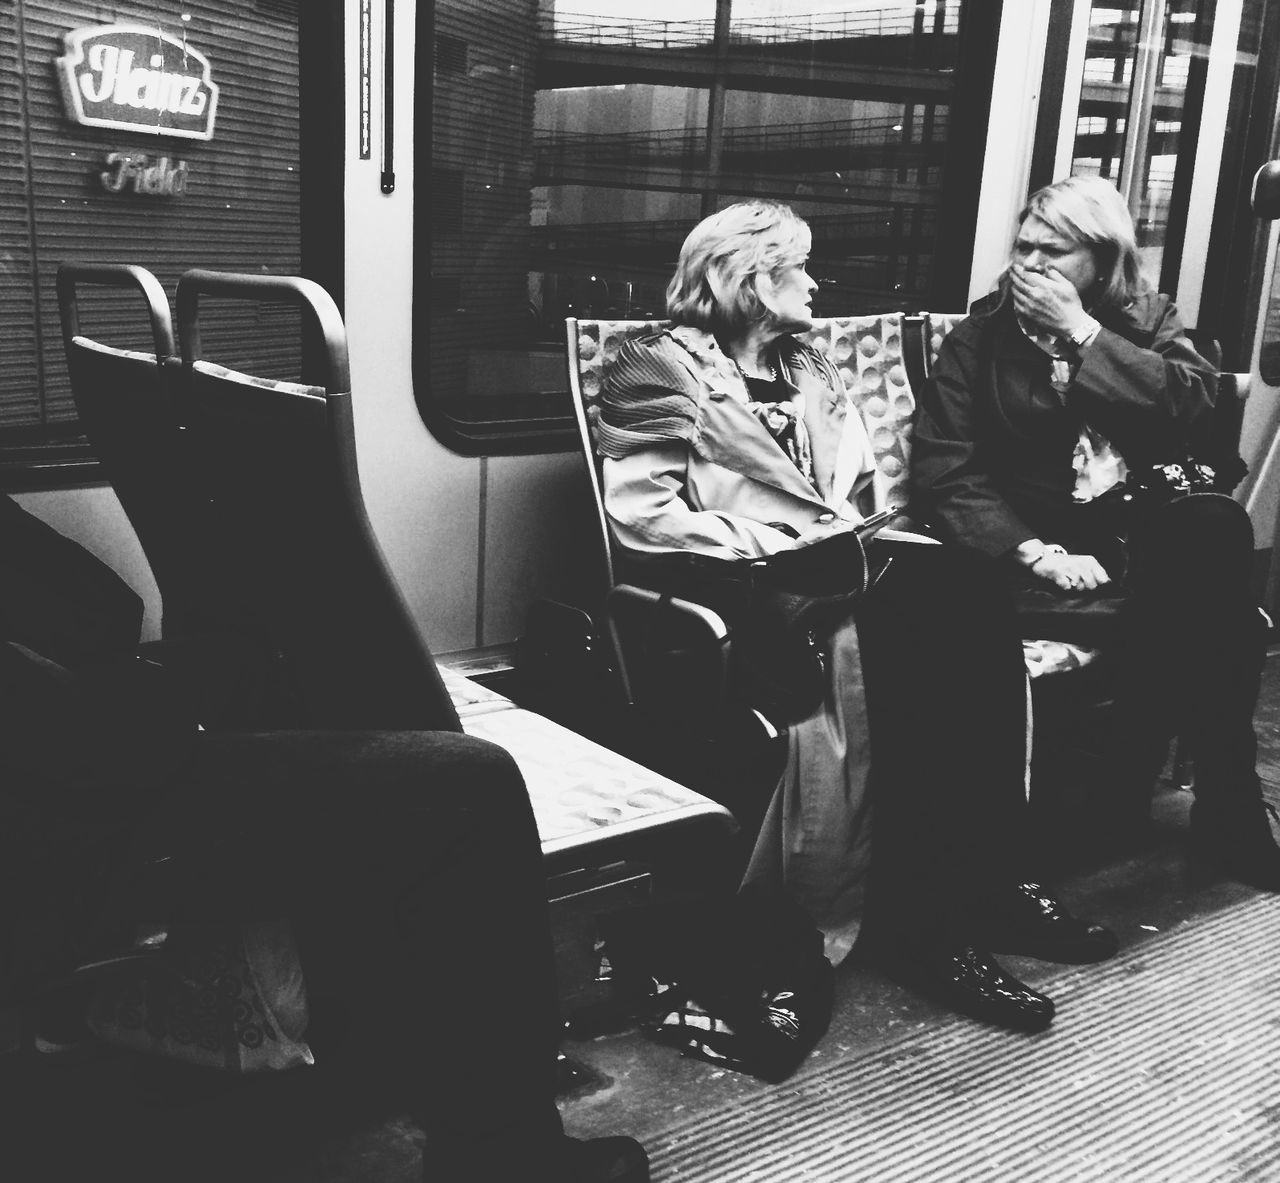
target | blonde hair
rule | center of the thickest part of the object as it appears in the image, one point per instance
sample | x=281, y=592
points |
x=714, y=285
x=1089, y=210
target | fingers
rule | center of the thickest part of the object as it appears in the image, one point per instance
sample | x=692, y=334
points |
x=1074, y=572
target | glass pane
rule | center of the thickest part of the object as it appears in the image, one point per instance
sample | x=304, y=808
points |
x=574, y=147
x=1102, y=121
x=623, y=23
x=617, y=174
x=845, y=26
x=1113, y=120
x=1182, y=41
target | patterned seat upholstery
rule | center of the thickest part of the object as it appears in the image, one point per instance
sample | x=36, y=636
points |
x=867, y=350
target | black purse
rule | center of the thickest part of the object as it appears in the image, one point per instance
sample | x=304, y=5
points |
x=796, y=598
x=779, y=610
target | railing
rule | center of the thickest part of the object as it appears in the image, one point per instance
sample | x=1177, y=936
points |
x=940, y=17
x=597, y=238
x=615, y=147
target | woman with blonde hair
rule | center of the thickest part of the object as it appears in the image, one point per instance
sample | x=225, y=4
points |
x=902, y=800
x=1057, y=414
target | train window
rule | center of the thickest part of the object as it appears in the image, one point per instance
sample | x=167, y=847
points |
x=1142, y=86
x=570, y=145
x=156, y=132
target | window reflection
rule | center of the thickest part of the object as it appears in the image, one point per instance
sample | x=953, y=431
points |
x=575, y=145
x=1138, y=83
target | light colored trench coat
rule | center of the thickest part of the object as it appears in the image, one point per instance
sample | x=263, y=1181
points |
x=717, y=493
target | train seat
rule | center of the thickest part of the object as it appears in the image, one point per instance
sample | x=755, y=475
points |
x=125, y=400
x=881, y=358
x=628, y=609
x=276, y=533
x=286, y=552
x=588, y=801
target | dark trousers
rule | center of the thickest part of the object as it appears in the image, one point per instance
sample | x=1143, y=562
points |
x=946, y=695
x=410, y=866
x=1193, y=649
x=1187, y=642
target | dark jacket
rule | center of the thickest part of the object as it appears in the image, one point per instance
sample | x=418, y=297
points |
x=992, y=453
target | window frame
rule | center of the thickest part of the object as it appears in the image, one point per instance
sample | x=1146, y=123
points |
x=525, y=423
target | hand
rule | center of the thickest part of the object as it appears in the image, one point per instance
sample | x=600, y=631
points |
x=822, y=529
x=1071, y=572
x=1047, y=298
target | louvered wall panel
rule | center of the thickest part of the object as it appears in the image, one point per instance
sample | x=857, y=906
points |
x=19, y=385
x=239, y=212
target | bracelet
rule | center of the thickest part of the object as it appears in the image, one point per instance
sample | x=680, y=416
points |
x=1051, y=548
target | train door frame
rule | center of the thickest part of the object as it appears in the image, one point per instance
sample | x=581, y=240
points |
x=1056, y=139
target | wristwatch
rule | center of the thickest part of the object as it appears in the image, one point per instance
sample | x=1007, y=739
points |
x=1085, y=334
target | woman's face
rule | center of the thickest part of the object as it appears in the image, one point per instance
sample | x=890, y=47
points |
x=1039, y=247
x=789, y=297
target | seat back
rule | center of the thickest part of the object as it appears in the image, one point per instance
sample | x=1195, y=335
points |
x=868, y=352
x=124, y=398
x=591, y=347
x=287, y=550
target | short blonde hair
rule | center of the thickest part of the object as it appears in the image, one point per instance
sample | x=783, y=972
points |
x=1090, y=210
x=714, y=285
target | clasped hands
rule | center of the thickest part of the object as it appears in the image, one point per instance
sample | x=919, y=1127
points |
x=1070, y=572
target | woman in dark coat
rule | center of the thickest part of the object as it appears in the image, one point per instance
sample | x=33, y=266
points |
x=1071, y=382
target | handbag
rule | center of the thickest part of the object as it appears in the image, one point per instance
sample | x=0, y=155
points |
x=229, y=997
x=779, y=610
x=1122, y=514
x=795, y=598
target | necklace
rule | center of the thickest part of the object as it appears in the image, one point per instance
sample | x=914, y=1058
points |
x=770, y=374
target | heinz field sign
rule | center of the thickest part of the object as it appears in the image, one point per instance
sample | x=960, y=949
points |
x=135, y=78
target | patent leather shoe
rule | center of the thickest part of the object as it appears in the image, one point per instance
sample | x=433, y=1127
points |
x=1236, y=838
x=1034, y=923
x=972, y=982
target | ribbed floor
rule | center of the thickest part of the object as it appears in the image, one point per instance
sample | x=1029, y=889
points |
x=1162, y=1065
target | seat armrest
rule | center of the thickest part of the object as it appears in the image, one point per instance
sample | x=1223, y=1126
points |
x=653, y=634
x=698, y=614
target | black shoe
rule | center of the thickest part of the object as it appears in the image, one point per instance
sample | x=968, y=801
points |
x=1236, y=838
x=602, y=1160
x=972, y=982
x=1034, y=924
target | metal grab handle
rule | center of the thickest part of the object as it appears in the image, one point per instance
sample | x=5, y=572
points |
x=115, y=275
x=265, y=289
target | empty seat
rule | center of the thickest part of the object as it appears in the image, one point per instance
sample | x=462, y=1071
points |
x=288, y=556
x=124, y=397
